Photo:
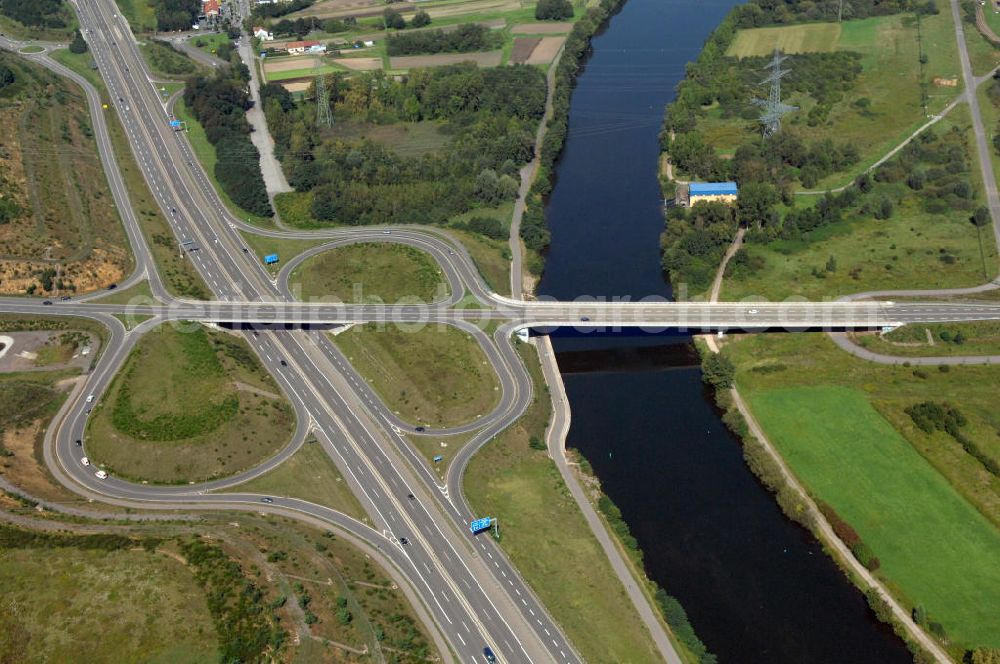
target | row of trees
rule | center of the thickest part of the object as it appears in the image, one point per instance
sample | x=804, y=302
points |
x=489, y=115
x=391, y=18
x=276, y=9
x=769, y=12
x=220, y=104
x=465, y=38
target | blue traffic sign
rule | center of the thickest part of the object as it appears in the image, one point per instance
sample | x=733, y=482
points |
x=480, y=525
x=175, y=123
x=270, y=259
x=438, y=458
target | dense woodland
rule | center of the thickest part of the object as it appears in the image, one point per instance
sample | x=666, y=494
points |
x=756, y=13
x=51, y=14
x=176, y=14
x=489, y=114
x=463, y=39
x=220, y=104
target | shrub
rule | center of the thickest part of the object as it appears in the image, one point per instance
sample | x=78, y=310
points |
x=393, y=19
x=553, y=10
x=78, y=45
x=420, y=19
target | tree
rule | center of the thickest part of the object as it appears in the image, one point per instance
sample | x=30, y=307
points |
x=754, y=204
x=831, y=264
x=78, y=45
x=420, y=19
x=6, y=77
x=884, y=209
x=393, y=19
x=553, y=10
x=981, y=217
x=718, y=371
x=919, y=612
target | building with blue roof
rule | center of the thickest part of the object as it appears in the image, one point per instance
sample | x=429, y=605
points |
x=699, y=192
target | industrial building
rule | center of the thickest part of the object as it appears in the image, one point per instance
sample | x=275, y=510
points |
x=699, y=192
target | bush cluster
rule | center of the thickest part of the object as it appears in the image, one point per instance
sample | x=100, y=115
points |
x=677, y=618
x=553, y=10
x=756, y=13
x=466, y=38
x=850, y=537
x=176, y=14
x=930, y=416
x=36, y=13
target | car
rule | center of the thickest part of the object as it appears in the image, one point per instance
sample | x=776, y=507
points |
x=267, y=500
x=101, y=475
x=404, y=541
x=752, y=312
x=488, y=654
x=420, y=429
x=85, y=461
x=65, y=298
x=79, y=443
x=245, y=250
x=451, y=253
x=386, y=232
x=585, y=318
x=284, y=364
x=410, y=496
x=90, y=398
x=88, y=410
x=47, y=302
x=112, y=286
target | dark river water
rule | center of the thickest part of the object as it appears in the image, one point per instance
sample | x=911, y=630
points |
x=757, y=587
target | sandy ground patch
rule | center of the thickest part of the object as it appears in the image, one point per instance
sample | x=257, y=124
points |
x=489, y=59
x=22, y=351
x=289, y=64
x=297, y=86
x=474, y=7
x=546, y=51
x=542, y=28
x=360, y=64
x=523, y=48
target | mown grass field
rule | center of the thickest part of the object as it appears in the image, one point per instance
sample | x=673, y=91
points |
x=566, y=567
x=78, y=605
x=929, y=510
x=435, y=375
x=310, y=475
x=385, y=272
x=912, y=519
x=804, y=38
x=178, y=274
x=189, y=404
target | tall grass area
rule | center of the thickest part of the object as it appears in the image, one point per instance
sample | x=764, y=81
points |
x=565, y=566
x=927, y=509
x=189, y=404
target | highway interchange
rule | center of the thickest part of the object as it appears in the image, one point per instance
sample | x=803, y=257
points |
x=472, y=593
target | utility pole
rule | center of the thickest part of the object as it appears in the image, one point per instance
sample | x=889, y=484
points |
x=774, y=109
x=840, y=12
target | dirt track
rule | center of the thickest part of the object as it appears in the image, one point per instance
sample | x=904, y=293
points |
x=541, y=28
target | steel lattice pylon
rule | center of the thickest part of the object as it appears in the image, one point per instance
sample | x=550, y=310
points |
x=774, y=109
x=323, y=116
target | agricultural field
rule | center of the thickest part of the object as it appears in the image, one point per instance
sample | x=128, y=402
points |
x=803, y=38
x=436, y=375
x=926, y=507
x=570, y=573
x=60, y=232
x=189, y=404
x=381, y=272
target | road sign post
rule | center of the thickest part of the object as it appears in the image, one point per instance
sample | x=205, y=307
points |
x=479, y=525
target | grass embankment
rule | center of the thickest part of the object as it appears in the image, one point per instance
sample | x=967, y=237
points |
x=309, y=475
x=919, y=245
x=140, y=293
x=92, y=605
x=949, y=340
x=140, y=14
x=919, y=501
x=803, y=38
x=166, y=62
x=434, y=375
x=189, y=404
x=385, y=272
x=205, y=152
x=56, y=203
x=179, y=275
x=566, y=567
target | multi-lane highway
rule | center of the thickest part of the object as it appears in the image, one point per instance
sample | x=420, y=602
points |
x=473, y=594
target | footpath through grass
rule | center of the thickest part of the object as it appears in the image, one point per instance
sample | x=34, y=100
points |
x=190, y=404
x=89, y=605
x=434, y=375
x=927, y=509
x=565, y=566
x=379, y=271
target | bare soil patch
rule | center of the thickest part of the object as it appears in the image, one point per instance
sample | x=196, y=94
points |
x=490, y=59
x=546, y=51
x=523, y=48
x=360, y=64
x=290, y=64
x=542, y=28
x=296, y=86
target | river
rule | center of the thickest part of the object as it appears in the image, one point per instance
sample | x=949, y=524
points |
x=757, y=587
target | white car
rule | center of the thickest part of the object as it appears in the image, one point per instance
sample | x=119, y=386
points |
x=101, y=475
x=752, y=312
x=85, y=461
x=90, y=399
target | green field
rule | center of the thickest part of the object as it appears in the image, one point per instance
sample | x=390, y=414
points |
x=79, y=605
x=310, y=475
x=301, y=73
x=804, y=38
x=933, y=545
x=978, y=338
x=189, y=404
x=434, y=375
x=568, y=570
x=179, y=275
x=141, y=14
x=166, y=62
x=381, y=272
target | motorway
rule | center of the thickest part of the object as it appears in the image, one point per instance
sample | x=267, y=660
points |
x=466, y=584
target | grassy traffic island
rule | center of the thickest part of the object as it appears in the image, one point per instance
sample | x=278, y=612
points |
x=904, y=461
x=189, y=404
x=434, y=375
x=370, y=271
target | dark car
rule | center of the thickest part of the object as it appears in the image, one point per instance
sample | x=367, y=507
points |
x=47, y=302
x=584, y=318
x=410, y=496
x=421, y=429
x=65, y=298
x=404, y=541
x=265, y=499
x=79, y=443
x=112, y=286
x=284, y=364
x=488, y=654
